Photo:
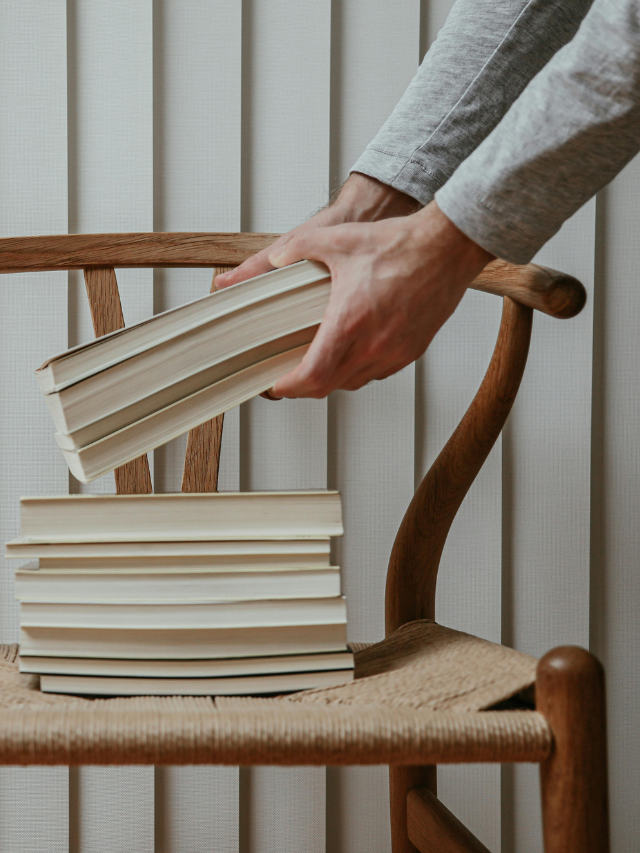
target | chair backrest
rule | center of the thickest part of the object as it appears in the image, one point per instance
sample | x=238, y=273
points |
x=98, y=255
x=413, y=567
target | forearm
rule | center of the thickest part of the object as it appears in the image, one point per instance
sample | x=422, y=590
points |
x=483, y=58
x=365, y=199
x=572, y=130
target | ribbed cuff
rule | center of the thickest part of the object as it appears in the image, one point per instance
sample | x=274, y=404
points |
x=398, y=172
x=494, y=231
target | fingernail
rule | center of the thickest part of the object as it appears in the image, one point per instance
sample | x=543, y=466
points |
x=270, y=395
x=274, y=260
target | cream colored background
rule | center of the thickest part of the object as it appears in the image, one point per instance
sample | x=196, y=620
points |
x=229, y=115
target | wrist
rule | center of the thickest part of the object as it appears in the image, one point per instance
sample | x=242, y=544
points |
x=433, y=225
x=365, y=199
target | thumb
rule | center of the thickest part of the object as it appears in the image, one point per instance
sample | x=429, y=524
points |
x=309, y=246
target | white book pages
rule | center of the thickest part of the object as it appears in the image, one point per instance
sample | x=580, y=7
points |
x=237, y=686
x=182, y=516
x=187, y=668
x=228, y=345
x=187, y=644
x=87, y=463
x=221, y=555
x=133, y=389
x=84, y=360
x=231, y=614
x=32, y=585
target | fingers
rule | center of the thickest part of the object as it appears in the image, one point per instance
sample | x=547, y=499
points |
x=319, y=371
x=255, y=265
x=298, y=245
x=311, y=245
x=269, y=395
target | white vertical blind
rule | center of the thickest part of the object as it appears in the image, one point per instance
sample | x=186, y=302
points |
x=285, y=177
x=376, y=52
x=110, y=120
x=615, y=542
x=33, y=200
x=196, y=157
x=198, y=115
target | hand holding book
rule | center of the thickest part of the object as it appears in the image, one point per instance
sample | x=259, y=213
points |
x=397, y=275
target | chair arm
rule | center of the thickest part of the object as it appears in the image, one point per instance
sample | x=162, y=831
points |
x=552, y=292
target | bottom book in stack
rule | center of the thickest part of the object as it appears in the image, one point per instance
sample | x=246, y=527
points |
x=220, y=594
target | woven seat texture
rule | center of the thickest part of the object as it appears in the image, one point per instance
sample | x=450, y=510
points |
x=419, y=697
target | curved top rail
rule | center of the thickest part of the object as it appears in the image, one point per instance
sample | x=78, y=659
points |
x=155, y=249
x=552, y=292
x=547, y=290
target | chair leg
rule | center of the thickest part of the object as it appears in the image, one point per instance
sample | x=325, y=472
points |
x=570, y=694
x=401, y=780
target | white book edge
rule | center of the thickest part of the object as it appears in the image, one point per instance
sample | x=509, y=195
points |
x=187, y=668
x=207, y=516
x=90, y=462
x=236, y=686
x=32, y=585
x=182, y=644
x=221, y=302
x=90, y=412
x=254, y=553
x=269, y=613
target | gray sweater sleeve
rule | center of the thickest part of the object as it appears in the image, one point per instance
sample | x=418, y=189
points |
x=483, y=58
x=571, y=131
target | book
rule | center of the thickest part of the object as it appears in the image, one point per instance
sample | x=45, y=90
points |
x=181, y=594
x=103, y=404
x=174, y=585
x=87, y=359
x=88, y=462
x=182, y=644
x=236, y=686
x=187, y=668
x=181, y=516
x=248, y=554
x=190, y=615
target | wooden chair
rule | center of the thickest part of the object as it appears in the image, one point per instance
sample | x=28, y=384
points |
x=566, y=731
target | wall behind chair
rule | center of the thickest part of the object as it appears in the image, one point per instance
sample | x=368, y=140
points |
x=228, y=115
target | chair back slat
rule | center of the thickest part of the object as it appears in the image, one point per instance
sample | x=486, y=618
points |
x=106, y=314
x=202, y=459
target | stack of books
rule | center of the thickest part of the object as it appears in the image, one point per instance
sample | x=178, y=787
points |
x=181, y=594
x=126, y=393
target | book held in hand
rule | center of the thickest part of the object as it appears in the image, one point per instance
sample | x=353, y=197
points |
x=123, y=394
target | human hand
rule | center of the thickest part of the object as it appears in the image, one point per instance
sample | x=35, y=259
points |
x=394, y=283
x=361, y=199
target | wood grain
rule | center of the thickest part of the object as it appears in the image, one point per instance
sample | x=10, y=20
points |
x=153, y=249
x=402, y=780
x=413, y=566
x=570, y=693
x=202, y=459
x=432, y=828
x=547, y=290
x=106, y=314
x=552, y=292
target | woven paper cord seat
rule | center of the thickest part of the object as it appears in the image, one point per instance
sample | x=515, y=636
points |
x=419, y=694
